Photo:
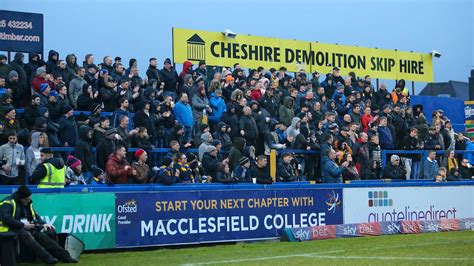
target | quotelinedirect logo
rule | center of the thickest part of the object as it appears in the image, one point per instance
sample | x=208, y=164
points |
x=333, y=201
x=196, y=48
x=128, y=207
x=379, y=199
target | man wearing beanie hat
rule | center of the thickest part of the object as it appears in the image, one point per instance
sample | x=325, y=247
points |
x=9, y=122
x=18, y=215
x=67, y=127
x=142, y=168
x=242, y=170
x=206, y=139
x=394, y=170
x=170, y=78
x=45, y=89
x=97, y=176
x=74, y=174
x=40, y=78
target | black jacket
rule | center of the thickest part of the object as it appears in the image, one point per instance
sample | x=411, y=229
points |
x=14, y=223
x=394, y=172
x=51, y=65
x=110, y=99
x=153, y=73
x=262, y=175
x=141, y=119
x=18, y=65
x=248, y=125
x=210, y=165
x=104, y=149
x=170, y=78
x=83, y=149
x=285, y=172
x=68, y=131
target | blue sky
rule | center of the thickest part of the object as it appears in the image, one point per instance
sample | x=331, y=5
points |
x=142, y=29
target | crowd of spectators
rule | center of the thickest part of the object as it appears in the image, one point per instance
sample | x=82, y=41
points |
x=232, y=116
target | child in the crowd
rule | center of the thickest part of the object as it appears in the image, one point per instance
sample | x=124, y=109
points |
x=98, y=177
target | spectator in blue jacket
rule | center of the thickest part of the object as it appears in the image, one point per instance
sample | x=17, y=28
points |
x=331, y=172
x=385, y=135
x=218, y=106
x=430, y=166
x=184, y=114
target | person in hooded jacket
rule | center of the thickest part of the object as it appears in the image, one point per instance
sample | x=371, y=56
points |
x=218, y=106
x=34, y=63
x=52, y=63
x=286, y=111
x=71, y=65
x=187, y=69
x=33, y=158
x=222, y=134
x=68, y=128
x=231, y=120
x=19, y=66
x=83, y=150
x=206, y=139
x=236, y=152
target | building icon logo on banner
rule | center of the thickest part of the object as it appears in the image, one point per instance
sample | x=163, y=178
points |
x=196, y=48
x=379, y=199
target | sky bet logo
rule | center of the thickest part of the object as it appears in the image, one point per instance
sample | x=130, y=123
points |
x=129, y=207
x=379, y=199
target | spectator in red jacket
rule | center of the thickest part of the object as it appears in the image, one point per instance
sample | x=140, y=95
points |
x=40, y=78
x=117, y=168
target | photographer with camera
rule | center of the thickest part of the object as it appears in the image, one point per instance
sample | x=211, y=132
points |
x=36, y=237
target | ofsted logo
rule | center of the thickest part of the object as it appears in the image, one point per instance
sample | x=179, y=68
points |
x=129, y=207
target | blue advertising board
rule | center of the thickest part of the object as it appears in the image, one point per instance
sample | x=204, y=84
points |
x=164, y=218
x=21, y=32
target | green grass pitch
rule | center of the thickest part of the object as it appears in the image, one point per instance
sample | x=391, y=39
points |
x=447, y=248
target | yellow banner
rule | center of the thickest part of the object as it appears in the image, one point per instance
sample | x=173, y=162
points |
x=254, y=51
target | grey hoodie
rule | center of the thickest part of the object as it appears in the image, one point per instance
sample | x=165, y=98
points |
x=293, y=130
x=204, y=145
x=33, y=154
